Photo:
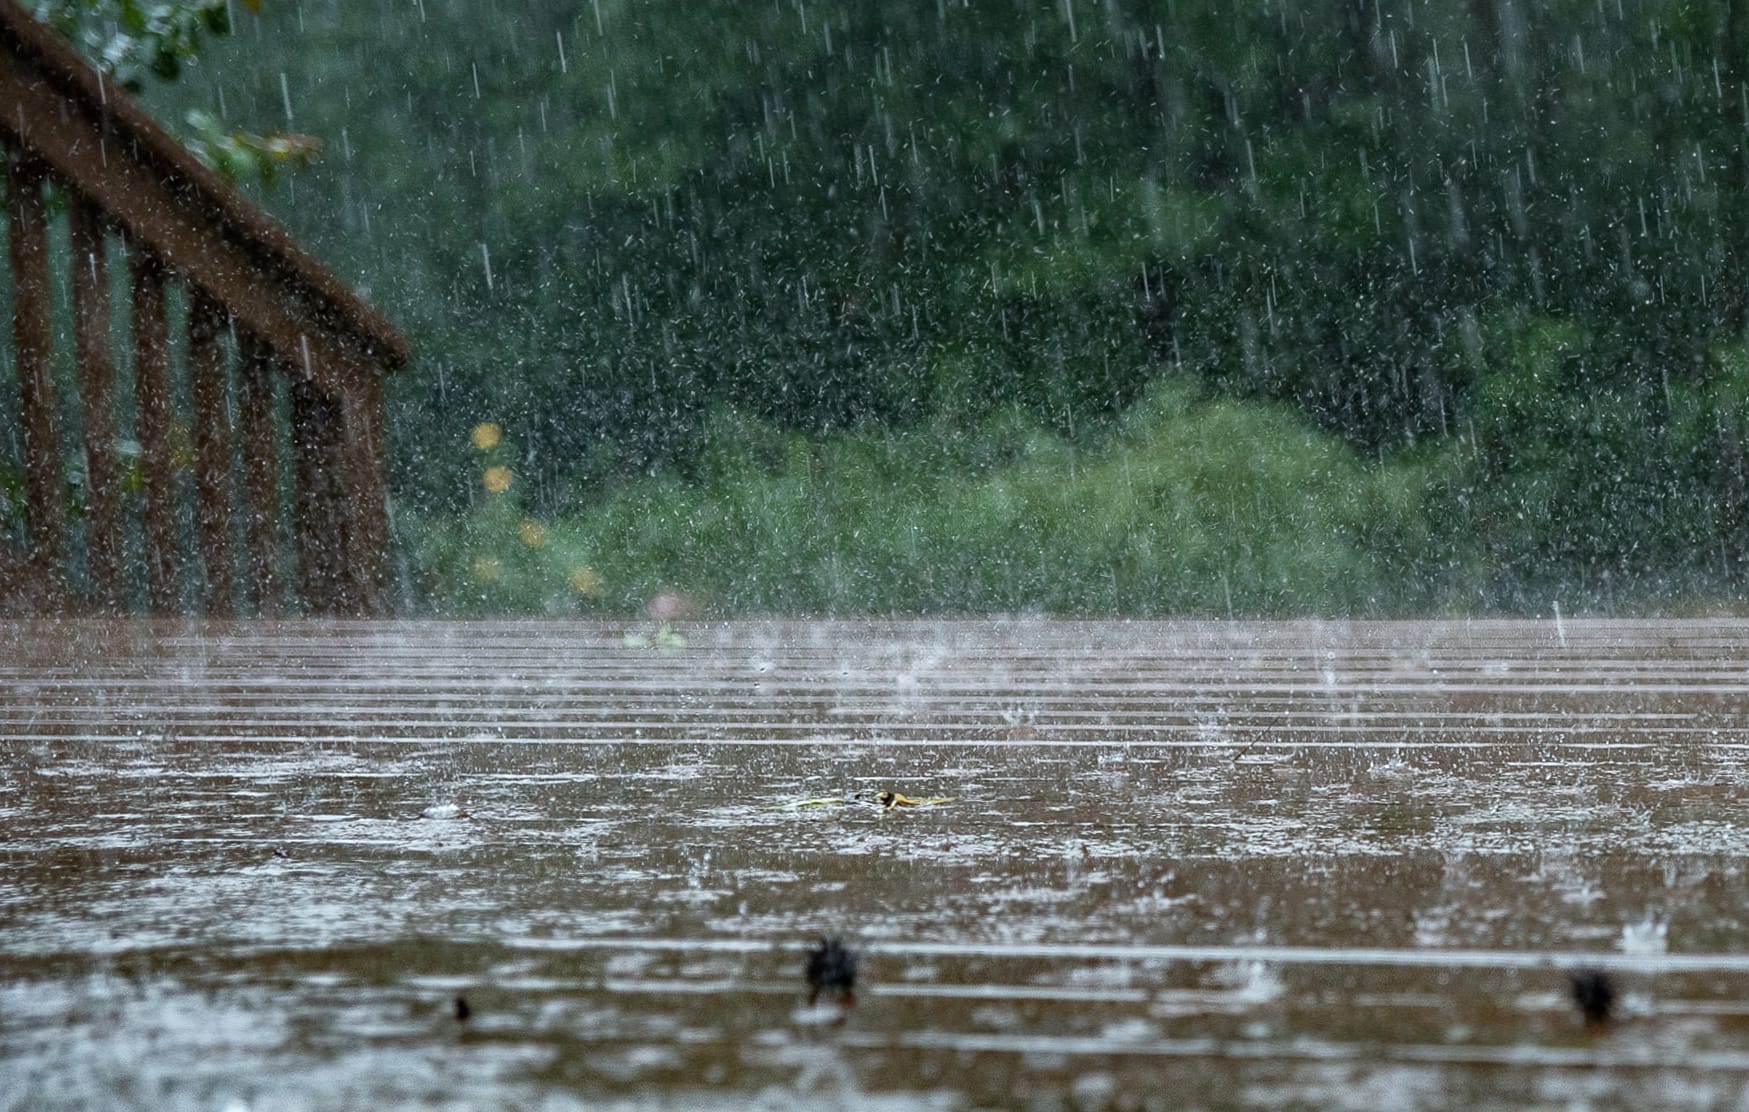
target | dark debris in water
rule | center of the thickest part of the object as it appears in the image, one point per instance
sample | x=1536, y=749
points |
x=891, y=800
x=1594, y=995
x=831, y=972
x=885, y=800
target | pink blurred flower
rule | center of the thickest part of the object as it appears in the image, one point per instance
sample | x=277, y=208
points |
x=668, y=606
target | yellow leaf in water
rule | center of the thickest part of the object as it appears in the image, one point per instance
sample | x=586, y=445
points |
x=890, y=800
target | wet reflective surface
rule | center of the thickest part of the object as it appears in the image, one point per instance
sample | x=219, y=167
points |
x=1187, y=865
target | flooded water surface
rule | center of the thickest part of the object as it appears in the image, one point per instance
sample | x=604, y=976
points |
x=1173, y=865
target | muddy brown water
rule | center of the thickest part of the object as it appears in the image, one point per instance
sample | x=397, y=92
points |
x=253, y=866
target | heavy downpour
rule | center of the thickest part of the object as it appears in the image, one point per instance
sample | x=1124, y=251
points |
x=895, y=554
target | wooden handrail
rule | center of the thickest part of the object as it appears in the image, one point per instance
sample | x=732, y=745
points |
x=124, y=179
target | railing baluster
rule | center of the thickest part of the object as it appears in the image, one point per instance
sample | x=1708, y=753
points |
x=152, y=393
x=260, y=471
x=44, y=486
x=323, y=533
x=90, y=286
x=366, y=498
x=212, y=448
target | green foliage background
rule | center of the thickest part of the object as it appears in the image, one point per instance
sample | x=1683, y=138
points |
x=1270, y=306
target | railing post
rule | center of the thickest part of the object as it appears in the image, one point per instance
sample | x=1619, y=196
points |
x=367, y=496
x=342, y=512
x=152, y=396
x=44, y=484
x=90, y=285
x=260, y=470
x=323, y=533
x=212, y=448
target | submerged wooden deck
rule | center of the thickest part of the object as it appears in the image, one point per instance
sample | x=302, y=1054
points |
x=1216, y=865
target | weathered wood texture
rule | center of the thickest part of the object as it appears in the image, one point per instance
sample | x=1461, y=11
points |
x=192, y=242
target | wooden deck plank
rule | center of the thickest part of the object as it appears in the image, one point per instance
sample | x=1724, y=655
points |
x=1244, y=864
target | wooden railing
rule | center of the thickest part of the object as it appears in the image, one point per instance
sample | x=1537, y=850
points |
x=271, y=336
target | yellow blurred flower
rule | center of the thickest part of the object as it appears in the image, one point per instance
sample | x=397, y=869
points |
x=486, y=435
x=532, y=533
x=586, y=580
x=497, y=479
x=486, y=568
